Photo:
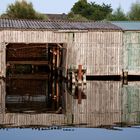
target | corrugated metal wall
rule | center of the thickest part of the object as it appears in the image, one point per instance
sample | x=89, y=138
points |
x=131, y=52
x=100, y=52
x=102, y=106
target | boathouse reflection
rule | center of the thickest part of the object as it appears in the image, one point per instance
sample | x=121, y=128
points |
x=46, y=102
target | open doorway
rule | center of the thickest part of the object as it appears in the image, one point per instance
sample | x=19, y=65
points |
x=31, y=85
x=34, y=59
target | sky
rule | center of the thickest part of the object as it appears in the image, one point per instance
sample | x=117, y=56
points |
x=64, y=6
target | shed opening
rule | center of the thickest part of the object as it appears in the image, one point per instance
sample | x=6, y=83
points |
x=33, y=59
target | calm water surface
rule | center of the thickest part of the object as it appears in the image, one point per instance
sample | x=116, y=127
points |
x=50, y=109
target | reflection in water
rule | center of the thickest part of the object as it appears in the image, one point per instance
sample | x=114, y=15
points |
x=47, y=103
x=31, y=96
x=23, y=95
x=131, y=104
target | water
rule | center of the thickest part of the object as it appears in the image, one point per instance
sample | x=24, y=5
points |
x=47, y=108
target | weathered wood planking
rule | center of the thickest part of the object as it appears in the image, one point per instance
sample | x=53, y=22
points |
x=100, y=55
x=100, y=52
x=131, y=103
x=131, y=52
x=26, y=119
x=102, y=106
x=2, y=96
x=19, y=120
x=106, y=104
x=2, y=60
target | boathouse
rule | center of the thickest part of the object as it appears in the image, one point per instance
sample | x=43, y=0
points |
x=131, y=46
x=64, y=45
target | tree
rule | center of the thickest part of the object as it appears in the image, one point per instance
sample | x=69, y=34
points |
x=117, y=15
x=76, y=17
x=22, y=10
x=80, y=7
x=134, y=13
x=91, y=11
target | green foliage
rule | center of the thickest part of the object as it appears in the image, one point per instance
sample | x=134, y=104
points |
x=100, y=12
x=117, y=15
x=22, y=10
x=91, y=11
x=76, y=17
x=134, y=13
x=81, y=11
x=80, y=7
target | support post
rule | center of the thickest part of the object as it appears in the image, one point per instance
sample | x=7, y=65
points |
x=80, y=74
x=125, y=78
x=79, y=95
x=84, y=78
x=73, y=78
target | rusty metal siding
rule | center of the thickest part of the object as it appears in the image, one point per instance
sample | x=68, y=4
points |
x=131, y=52
x=131, y=103
x=102, y=106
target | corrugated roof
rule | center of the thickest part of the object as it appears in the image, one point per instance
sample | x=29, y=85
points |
x=54, y=25
x=57, y=16
x=128, y=25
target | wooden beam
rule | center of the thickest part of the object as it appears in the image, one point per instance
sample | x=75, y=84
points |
x=28, y=62
x=59, y=45
x=80, y=74
x=29, y=47
x=29, y=76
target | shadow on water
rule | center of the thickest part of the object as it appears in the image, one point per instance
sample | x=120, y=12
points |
x=49, y=103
